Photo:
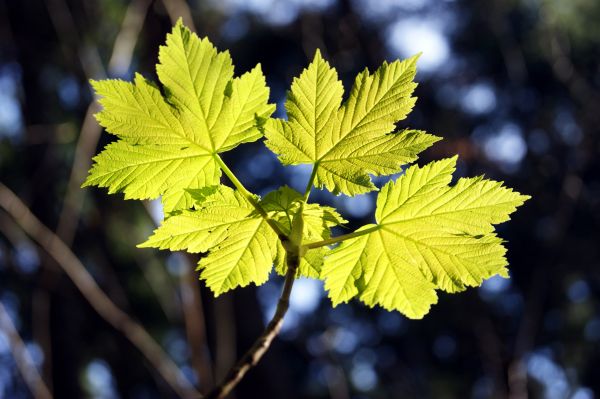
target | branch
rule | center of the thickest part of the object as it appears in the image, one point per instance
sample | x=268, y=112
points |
x=190, y=302
x=127, y=38
x=76, y=271
x=120, y=60
x=225, y=353
x=89, y=135
x=23, y=359
x=261, y=345
x=195, y=328
x=179, y=9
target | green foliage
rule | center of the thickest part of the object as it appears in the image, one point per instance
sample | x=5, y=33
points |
x=167, y=144
x=240, y=244
x=350, y=141
x=428, y=236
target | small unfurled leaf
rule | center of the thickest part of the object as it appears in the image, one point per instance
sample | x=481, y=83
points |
x=283, y=206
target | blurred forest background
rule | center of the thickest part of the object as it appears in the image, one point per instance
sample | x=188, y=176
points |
x=511, y=85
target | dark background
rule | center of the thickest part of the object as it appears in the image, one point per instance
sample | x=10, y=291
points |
x=512, y=87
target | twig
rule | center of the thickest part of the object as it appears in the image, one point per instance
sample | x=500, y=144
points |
x=256, y=352
x=193, y=312
x=40, y=300
x=124, y=45
x=179, y=8
x=76, y=271
x=64, y=23
x=89, y=135
x=225, y=343
x=22, y=357
x=40, y=321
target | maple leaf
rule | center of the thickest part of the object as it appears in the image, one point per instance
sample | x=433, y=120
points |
x=428, y=236
x=346, y=143
x=241, y=246
x=170, y=143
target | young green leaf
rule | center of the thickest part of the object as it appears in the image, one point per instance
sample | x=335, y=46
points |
x=283, y=205
x=241, y=247
x=428, y=236
x=240, y=244
x=168, y=144
x=348, y=142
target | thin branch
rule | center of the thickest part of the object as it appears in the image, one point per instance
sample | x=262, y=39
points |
x=335, y=240
x=64, y=23
x=249, y=197
x=158, y=279
x=262, y=344
x=192, y=309
x=40, y=298
x=89, y=135
x=225, y=332
x=76, y=271
x=40, y=321
x=85, y=147
x=293, y=248
x=179, y=8
x=23, y=359
x=193, y=312
x=127, y=38
x=120, y=60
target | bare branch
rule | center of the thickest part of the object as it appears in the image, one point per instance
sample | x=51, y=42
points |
x=120, y=60
x=179, y=9
x=22, y=358
x=225, y=343
x=40, y=320
x=193, y=312
x=86, y=145
x=77, y=272
x=122, y=53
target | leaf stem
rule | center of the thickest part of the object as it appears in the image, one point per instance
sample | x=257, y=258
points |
x=261, y=345
x=335, y=240
x=249, y=197
x=311, y=180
